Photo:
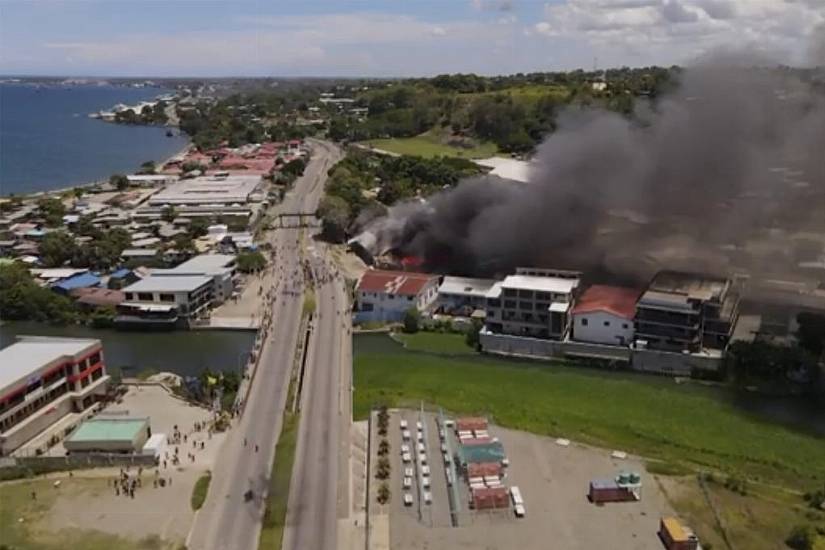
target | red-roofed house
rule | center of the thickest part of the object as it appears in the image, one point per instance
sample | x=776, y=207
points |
x=386, y=295
x=604, y=315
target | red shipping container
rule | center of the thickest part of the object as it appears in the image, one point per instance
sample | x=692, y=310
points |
x=484, y=469
x=471, y=423
x=609, y=491
x=490, y=498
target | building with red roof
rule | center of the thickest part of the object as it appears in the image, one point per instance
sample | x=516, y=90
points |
x=386, y=295
x=604, y=314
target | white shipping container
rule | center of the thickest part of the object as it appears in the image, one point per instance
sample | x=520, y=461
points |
x=409, y=472
x=520, y=511
x=428, y=497
x=477, y=486
x=419, y=425
x=408, y=499
x=425, y=470
x=405, y=449
x=407, y=482
x=491, y=479
x=406, y=457
x=515, y=494
x=476, y=480
x=425, y=482
x=403, y=424
x=405, y=434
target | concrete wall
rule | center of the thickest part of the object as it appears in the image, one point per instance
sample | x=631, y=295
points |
x=602, y=328
x=660, y=362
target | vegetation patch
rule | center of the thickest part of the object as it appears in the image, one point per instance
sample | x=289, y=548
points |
x=436, y=342
x=200, y=490
x=272, y=531
x=684, y=425
x=429, y=146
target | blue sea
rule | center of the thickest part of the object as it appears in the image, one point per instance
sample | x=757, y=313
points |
x=47, y=141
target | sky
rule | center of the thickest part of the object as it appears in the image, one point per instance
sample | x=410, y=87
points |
x=389, y=38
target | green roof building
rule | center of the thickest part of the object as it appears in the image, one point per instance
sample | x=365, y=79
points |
x=109, y=435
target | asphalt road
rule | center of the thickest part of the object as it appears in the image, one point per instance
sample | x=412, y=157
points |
x=319, y=489
x=227, y=521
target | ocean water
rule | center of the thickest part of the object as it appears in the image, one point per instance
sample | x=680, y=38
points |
x=47, y=141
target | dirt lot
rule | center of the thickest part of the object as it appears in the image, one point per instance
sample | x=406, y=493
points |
x=553, y=481
x=87, y=501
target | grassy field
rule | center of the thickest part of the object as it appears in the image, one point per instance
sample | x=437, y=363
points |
x=683, y=425
x=200, y=490
x=428, y=145
x=272, y=532
x=435, y=342
x=21, y=521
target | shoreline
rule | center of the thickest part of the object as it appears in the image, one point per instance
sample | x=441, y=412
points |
x=85, y=185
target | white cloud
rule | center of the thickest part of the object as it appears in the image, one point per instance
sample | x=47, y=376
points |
x=669, y=31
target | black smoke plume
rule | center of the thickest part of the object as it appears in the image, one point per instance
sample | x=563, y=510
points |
x=725, y=173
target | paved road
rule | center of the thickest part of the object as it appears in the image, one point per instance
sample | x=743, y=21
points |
x=319, y=491
x=227, y=521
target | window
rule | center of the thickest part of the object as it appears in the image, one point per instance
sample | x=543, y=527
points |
x=607, y=323
x=525, y=305
x=509, y=292
x=584, y=321
x=624, y=325
x=167, y=297
x=510, y=304
x=145, y=296
x=525, y=294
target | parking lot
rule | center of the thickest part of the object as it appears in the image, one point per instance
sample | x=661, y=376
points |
x=553, y=480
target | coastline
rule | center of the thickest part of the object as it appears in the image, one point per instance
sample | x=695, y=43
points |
x=85, y=185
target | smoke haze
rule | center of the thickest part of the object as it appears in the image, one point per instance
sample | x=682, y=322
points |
x=716, y=176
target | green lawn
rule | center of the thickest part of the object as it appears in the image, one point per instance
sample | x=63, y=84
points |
x=16, y=504
x=685, y=425
x=272, y=531
x=200, y=490
x=435, y=342
x=427, y=145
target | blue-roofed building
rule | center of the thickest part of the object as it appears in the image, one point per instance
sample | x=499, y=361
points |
x=81, y=280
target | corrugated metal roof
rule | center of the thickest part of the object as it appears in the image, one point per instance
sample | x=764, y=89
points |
x=81, y=280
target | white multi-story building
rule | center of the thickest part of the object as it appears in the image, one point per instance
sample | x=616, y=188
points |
x=387, y=295
x=221, y=267
x=462, y=295
x=604, y=315
x=534, y=302
x=43, y=379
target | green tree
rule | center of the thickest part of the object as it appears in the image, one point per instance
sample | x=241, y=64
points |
x=169, y=214
x=811, y=333
x=335, y=217
x=23, y=299
x=802, y=537
x=472, y=337
x=198, y=227
x=148, y=167
x=52, y=210
x=250, y=261
x=412, y=317
x=120, y=181
x=294, y=167
x=57, y=248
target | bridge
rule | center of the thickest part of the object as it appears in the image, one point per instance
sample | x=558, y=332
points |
x=292, y=220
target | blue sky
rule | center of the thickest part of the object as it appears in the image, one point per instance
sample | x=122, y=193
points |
x=388, y=38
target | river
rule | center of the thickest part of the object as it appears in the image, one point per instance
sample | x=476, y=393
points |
x=186, y=353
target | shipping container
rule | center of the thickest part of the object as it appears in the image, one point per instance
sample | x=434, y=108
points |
x=407, y=482
x=425, y=470
x=425, y=482
x=676, y=536
x=403, y=424
x=484, y=469
x=406, y=435
x=406, y=457
x=428, y=497
x=608, y=490
x=515, y=494
x=408, y=499
x=519, y=510
x=405, y=449
x=471, y=423
x=489, y=498
x=408, y=472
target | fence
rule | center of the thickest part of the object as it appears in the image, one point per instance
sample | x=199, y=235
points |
x=662, y=362
x=18, y=467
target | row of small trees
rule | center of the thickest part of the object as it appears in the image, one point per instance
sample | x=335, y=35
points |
x=383, y=467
